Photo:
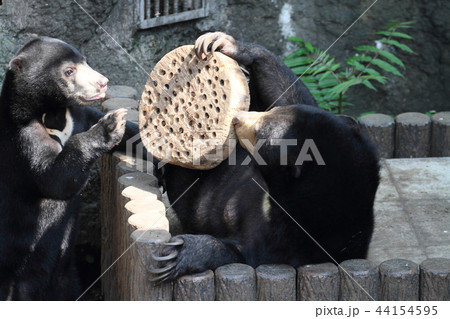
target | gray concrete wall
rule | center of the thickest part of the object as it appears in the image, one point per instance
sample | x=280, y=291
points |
x=266, y=22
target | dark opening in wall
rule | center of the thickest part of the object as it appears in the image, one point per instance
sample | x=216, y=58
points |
x=155, y=13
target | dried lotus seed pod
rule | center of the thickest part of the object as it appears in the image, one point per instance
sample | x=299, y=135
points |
x=187, y=108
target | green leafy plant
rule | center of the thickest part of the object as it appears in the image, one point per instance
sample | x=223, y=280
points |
x=329, y=81
x=431, y=113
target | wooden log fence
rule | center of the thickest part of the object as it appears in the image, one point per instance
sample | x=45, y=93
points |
x=134, y=225
x=408, y=135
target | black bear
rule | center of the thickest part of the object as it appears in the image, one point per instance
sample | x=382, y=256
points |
x=305, y=197
x=48, y=144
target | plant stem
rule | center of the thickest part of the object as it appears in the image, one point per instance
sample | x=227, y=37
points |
x=341, y=95
x=373, y=58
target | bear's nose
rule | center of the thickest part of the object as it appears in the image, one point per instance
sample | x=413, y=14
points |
x=247, y=118
x=103, y=82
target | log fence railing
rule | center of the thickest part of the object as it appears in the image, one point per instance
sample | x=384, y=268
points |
x=134, y=225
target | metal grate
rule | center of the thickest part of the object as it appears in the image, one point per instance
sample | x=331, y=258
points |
x=155, y=13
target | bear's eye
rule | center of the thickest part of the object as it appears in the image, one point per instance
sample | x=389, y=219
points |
x=68, y=72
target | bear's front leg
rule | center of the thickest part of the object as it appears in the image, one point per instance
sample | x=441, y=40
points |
x=61, y=173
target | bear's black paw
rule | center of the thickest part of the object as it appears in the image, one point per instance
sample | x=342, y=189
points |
x=113, y=125
x=189, y=254
x=216, y=41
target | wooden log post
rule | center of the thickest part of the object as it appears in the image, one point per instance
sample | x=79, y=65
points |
x=196, y=287
x=412, y=135
x=380, y=129
x=140, y=180
x=145, y=243
x=121, y=232
x=319, y=282
x=125, y=168
x=235, y=282
x=133, y=116
x=440, y=136
x=122, y=91
x=109, y=215
x=275, y=283
x=359, y=280
x=119, y=103
x=399, y=280
x=138, y=199
x=147, y=213
x=435, y=279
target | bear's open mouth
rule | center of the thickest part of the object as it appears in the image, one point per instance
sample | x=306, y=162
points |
x=93, y=98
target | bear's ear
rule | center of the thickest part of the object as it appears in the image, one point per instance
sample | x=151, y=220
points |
x=16, y=65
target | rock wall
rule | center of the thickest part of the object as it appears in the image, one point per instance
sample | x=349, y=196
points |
x=267, y=22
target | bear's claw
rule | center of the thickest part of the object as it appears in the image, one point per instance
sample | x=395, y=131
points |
x=168, y=261
x=165, y=273
x=160, y=279
x=177, y=242
x=162, y=270
x=215, y=41
x=165, y=258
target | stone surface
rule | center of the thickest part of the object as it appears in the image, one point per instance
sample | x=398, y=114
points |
x=386, y=190
x=438, y=251
x=413, y=223
x=391, y=221
x=431, y=221
x=426, y=178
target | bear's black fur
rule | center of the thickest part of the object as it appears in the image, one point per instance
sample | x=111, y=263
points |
x=279, y=212
x=47, y=146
